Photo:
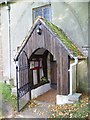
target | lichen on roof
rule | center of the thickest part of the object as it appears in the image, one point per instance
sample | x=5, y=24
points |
x=62, y=36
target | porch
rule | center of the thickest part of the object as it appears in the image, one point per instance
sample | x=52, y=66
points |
x=49, y=96
x=43, y=62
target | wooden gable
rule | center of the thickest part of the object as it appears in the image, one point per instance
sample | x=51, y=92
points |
x=50, y=41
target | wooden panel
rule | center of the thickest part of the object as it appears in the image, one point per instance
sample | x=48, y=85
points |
x=44, y=63
x=31, y=77
x=65, y=71
x=45, y=43
x=39, y=39
x=53, y=74
x=58, y=53
x=47, y=38
x=30, y=46
x=52, y=44
x=23, y=70
x=48, y=41
x=61, y=72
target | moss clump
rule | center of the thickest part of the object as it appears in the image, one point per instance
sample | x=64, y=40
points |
x=61, y=35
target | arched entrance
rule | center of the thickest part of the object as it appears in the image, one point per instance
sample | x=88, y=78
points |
x=43, y=70
x=42, y=59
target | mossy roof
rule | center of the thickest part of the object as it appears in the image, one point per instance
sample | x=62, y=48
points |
x=63, y=37
x=73, y=49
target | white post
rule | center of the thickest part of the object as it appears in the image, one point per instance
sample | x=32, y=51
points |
x=70, y=70
x=70, y=80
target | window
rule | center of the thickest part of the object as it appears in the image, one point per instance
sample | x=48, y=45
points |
x=36, y=73
x=44, y=12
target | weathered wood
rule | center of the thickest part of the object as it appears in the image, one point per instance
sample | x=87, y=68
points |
x=54, y=74
x=59, y=70
x=50, y=42
x=64, y=70
x=44, y=62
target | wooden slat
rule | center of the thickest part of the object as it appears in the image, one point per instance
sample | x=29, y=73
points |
x=65, y=71
x=49, y=42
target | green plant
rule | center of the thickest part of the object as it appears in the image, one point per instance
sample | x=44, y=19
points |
x=44, y=79
x=79, y=109
x=5, y=91
x=63, y=37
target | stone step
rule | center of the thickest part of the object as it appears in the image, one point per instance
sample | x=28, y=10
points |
x=66, y=99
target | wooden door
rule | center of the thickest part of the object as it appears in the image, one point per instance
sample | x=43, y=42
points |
x=54, y=75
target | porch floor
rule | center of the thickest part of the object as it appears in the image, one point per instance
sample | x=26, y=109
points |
x=49, y=96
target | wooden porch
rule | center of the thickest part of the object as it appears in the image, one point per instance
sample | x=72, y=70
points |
x=49, y=96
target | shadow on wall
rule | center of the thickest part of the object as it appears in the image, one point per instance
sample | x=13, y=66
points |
x=82, y=76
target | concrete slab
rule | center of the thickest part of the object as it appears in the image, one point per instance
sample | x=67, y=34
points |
x=75, y=97
x=39, y=111
x=67, y=99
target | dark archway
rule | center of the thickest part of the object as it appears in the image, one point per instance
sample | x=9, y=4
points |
x=46, y=42
x=43, y=69
x=51, y=43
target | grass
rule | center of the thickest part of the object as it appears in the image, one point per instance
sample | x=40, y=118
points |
x=77, y=110
x=5, y=91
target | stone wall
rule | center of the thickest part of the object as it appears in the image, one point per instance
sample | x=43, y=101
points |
x=72, y=17
x=1, y=64
x=82, y=76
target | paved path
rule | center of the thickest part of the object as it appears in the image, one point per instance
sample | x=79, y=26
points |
x=41, y=110
x=49, y=96
x=7, y=110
